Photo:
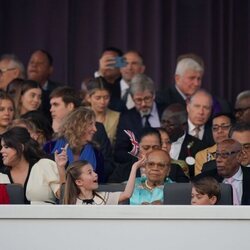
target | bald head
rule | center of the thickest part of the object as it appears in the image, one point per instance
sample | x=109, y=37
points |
x=228, y=156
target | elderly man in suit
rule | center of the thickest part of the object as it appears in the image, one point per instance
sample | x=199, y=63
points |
x=229, y=170
x=241, y=133
x=10, y=68
x=188, y=76
x=199, y=109
x=146, y=113
x=242, y=107
x=184, y=146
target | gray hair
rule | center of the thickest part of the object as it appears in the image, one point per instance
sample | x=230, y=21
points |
x=15, y=63
x=188, y=64
x=141, y=83
x=243, y=95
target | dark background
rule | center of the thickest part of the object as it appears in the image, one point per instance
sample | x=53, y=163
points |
x=76, y=31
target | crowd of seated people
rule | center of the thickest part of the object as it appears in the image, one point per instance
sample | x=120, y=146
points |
x=59, y=145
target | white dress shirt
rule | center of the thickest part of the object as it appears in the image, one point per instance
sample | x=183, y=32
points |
x=237, y=183
x=176, y=148
x=124, y=87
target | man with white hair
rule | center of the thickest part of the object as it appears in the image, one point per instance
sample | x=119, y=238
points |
x=146, y=113
x=242, y=107
x=10, y=68
x=188, y=76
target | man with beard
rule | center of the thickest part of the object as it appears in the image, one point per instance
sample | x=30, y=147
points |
x=146, y=113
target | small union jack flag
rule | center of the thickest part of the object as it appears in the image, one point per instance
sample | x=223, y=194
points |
x=135, y=144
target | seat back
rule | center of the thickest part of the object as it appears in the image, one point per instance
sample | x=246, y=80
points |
x=180, y=194
x=16, y=193
x=113, y=187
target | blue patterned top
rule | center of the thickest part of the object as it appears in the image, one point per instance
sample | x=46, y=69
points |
x=143, y=195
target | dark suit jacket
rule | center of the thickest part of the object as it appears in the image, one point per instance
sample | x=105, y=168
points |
x=196, y=146
x=245, y=200
x=45, y=97
x=115, y=103
x=169, y=96
x=129, y=120
x=103, y=143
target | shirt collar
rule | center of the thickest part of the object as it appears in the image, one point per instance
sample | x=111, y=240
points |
x=181, y=93
x=124, y=85
x=191, y=126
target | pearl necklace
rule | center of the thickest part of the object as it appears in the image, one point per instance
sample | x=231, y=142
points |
x=147, y=186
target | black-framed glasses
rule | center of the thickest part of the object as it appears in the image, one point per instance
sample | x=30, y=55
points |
x=223, y=127
x=158, y=165
x=241, y=110
x=146, y=99
x=225, y=155
x=5, y=70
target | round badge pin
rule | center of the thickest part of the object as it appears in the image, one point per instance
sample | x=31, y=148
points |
x=190, y=160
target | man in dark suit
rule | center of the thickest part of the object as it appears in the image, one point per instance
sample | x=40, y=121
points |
x=184, y=146
x=40, y=68
x=188, y=76
x=111, y=76
x=199, y=109
x=188, y=79
x=228, y=170
x=146, y=113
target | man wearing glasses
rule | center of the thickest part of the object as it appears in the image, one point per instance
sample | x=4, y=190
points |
x=10, y=68
x=146, y=113
x=229, y=170
x=241, y=133
x=242, y=107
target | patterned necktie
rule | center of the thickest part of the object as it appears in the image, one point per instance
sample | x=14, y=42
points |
x=146, y=121
x=196, y=131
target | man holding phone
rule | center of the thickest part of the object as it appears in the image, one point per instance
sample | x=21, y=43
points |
x=111, y=65
x=133, y=67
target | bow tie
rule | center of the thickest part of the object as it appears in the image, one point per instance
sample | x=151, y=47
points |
x=88, y=201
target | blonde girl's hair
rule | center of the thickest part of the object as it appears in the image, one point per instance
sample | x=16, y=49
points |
x=74, y=126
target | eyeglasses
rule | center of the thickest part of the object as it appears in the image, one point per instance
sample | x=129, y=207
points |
x=241, y=110
x=158, y=165
x=146, y=99
x=223, y=127
x=5, y=70
x=225, y=155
